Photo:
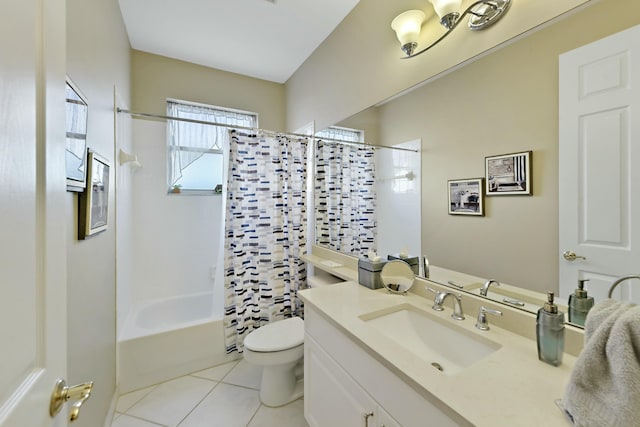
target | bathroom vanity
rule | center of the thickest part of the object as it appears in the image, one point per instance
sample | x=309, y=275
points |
x=378, y=359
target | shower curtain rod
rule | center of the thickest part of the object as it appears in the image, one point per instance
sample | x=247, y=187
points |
x=205, y=122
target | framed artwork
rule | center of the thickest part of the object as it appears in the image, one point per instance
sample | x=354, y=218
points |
x=77, y=111
x=465, y=197
x=508, y=174
x=94, y=200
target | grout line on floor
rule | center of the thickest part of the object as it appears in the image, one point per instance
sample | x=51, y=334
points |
x=199, y=402
x=151, y=388
x=144, y=419
x=242, y=386
x=254, y=414
x=235, y=362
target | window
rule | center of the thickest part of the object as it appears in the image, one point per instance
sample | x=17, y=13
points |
x=343, y=134
x=196, y=150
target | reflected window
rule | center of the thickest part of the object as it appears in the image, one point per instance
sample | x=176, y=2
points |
x=76, y=131
x=341, y=133
x=404, y=178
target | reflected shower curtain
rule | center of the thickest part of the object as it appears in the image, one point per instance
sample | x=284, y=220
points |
x=265, y=232
x=345, y=197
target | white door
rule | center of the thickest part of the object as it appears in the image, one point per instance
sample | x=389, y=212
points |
x=32, y=195
x=599, y=157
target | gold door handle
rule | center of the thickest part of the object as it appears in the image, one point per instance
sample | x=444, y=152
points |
x=61, y=394
x=571, y=256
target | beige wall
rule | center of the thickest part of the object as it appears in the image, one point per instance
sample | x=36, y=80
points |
x=368, y=121
x=177, y=251
x=156, y=78
x=502, y=103
x=97, y=60
x=359, y=64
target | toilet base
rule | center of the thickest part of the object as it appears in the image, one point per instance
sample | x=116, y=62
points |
x=279, y=387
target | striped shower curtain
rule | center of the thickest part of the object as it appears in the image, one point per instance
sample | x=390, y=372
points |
x=345, y=197
x=265, y=232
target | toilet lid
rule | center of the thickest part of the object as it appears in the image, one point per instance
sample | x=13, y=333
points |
x=276, y=336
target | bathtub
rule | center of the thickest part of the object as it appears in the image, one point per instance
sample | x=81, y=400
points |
x=168, y=338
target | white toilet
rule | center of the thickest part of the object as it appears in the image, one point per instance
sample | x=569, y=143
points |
x=278, y=348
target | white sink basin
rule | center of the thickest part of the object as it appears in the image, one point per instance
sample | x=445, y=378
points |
x=439, y=342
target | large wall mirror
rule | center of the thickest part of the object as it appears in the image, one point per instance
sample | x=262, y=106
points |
x=505, y=102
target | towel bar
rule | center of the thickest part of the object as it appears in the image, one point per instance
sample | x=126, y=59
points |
x=620, y=280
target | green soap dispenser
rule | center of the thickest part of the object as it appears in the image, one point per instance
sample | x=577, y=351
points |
x=579, y=304
x=550, y=332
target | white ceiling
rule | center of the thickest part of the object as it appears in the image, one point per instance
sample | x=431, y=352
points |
x=266, y=39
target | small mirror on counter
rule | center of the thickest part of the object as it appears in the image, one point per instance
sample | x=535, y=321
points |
x=397, y=276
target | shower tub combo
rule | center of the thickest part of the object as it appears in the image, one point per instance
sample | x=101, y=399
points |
x=168, y=338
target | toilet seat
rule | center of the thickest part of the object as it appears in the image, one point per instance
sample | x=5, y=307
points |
x=276, y=336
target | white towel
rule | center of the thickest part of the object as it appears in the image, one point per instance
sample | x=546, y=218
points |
x=604, y=388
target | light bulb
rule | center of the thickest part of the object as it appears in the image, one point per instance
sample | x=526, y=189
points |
x=407, y=26
x=445, y=7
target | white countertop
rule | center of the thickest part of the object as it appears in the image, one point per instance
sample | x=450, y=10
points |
x=510, y=387
x=346, y=268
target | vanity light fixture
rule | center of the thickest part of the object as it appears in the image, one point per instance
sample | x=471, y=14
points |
x=407, y=26
x=482, y=14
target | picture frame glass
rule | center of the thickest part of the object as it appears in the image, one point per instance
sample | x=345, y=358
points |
x=508, y=174
x=77, y=111
x=466, y=197
x=94, y=200
x=99, y=195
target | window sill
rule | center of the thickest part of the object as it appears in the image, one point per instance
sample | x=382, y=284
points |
x=193, y=193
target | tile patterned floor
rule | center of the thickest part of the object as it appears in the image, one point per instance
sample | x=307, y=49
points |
x=224, y=396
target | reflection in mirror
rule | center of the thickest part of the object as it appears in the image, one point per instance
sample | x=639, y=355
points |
x=462, y=117
x=76, y=144
x=345, y=197
x=397, y=276
x=363, y=193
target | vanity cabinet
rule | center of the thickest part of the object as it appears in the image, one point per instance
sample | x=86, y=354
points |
x=333, y=398
x=346, y=386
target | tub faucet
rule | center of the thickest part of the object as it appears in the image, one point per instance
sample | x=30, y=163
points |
x=485, y=287
x=425, y=267
x=441, y=296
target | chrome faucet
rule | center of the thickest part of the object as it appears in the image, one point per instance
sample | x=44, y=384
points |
x=482, y=323
x=425, y=267
x=439, y=299
x=485, y=287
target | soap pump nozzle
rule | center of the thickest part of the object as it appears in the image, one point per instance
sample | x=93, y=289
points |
x=581, y=292
x=549, y=306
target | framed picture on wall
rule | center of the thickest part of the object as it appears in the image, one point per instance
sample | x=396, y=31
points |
x=77, y=111
x=94, y=200
x=465, y=197
x=508, y=174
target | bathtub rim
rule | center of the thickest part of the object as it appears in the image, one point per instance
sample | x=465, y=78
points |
x=132, y=331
